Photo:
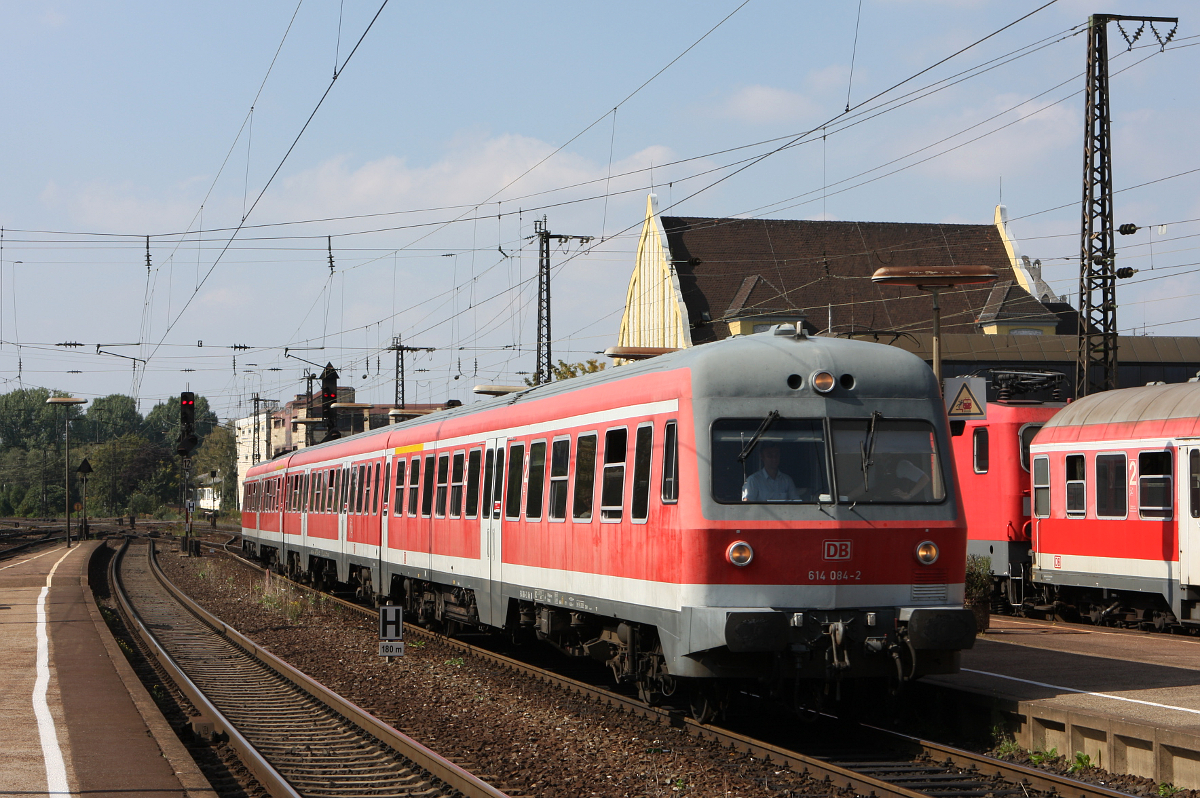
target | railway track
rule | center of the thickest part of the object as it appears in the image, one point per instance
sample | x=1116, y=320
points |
x=294, y=735
x=879, y=762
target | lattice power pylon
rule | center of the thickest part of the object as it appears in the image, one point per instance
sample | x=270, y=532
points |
x=1097, y=360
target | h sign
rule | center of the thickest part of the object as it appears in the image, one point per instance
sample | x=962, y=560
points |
x=837, y=549
x=391, y=623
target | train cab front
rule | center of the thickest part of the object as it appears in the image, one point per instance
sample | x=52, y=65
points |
x=840, y=553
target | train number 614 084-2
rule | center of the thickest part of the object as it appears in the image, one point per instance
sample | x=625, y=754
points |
x=834, y=576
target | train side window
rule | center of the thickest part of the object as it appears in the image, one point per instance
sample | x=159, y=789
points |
x=1154, y=484
x=329, y=493
x=1076, y=478
x=612, y=486
x=472, y=508
x=427, y=490
x=670, y=465
x=516, y=463
x=642, y=449
x=380, y=489
x=1025, y=437
x=360, y=487
x=456, y=484
x=537, y=481
x=497, y=486
x=414, y=483
x=310, y=486
x=1111, y=495
x=982, y=455
x=1041, y=487
x=489, y=465
x=348, y=489
x=1194, y=481
x=399, y=502
x=442, y=473
x=560, y=461
x=585, y=477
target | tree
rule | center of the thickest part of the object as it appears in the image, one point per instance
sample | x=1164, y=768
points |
x=218, y=453
x=565, y=370
x=26, y=421
x=111, y=417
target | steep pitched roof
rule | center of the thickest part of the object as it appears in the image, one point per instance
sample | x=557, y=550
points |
x=822, y=270
x=1008, y=302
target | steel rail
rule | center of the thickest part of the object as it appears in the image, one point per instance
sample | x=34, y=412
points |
x=438, y=766
x=254, y=761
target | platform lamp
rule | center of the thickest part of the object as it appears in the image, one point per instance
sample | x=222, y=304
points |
x=933, y=280
x=67, y=400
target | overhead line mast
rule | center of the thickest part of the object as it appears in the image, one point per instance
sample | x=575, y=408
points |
x=545, y=361
x=1096, y=365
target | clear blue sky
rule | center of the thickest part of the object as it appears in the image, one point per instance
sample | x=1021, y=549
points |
x=123, y=120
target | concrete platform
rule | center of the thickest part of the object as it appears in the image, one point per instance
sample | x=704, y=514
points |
x=1129, y=700
x=74, y=718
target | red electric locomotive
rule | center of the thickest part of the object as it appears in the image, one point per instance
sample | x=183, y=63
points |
x=1116, y=504
x=771, y=507
x=991, y=460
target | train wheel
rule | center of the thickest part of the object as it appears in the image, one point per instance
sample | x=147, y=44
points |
x=707, y=700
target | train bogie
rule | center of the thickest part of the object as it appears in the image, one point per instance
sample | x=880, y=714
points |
x=771, y=506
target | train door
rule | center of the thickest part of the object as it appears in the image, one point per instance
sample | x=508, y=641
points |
x=1189, y=512
x=490, y=544
x=384, y=492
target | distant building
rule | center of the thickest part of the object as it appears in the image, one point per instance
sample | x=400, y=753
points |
x=697, y=280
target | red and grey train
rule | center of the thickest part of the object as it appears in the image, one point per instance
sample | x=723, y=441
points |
x=773, y=507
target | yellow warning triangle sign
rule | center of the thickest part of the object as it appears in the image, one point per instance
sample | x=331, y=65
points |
x=965, y=403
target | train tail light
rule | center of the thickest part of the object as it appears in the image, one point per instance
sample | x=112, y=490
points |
x=927, y=552
x=739, y=553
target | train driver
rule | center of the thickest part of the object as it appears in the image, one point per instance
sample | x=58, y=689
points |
x=769, y=484
x=910, y=481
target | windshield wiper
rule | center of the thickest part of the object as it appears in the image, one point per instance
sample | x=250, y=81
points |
x=771, y=418
x=867, y=448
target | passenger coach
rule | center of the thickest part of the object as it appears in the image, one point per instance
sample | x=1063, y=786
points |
x=1116, y=501
x=772, y=506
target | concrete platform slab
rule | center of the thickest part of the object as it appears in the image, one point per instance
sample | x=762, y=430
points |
x=1129, y=700
x=68, y=721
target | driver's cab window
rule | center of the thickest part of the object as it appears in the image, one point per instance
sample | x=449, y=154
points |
x=783, y=461
x=887, y=461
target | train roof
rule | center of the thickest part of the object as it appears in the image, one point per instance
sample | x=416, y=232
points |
x=730, y=367
x=1169, y=410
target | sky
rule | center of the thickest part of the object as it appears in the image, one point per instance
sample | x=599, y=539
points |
x=220, y=131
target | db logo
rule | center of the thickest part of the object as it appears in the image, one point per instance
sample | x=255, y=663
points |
x=1058, y=561
x=837, y=549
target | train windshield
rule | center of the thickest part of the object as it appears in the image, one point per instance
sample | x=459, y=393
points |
x=886, y=461
x=786, y=463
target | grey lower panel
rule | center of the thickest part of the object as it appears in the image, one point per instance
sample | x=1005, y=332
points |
x=1006, y=555
x=1169, y=589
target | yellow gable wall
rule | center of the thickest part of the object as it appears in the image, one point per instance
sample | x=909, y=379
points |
x=654, y=311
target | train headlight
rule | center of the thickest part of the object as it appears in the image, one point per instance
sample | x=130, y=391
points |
x=927, y=552
x=739, y=553
x=822, y=381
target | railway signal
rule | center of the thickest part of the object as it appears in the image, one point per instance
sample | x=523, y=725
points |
x=187, y=424
x=329, y=378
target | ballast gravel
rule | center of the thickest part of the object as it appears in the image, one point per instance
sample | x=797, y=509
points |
x=526, y=737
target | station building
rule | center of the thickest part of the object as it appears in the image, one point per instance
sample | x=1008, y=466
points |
x=697, y=280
